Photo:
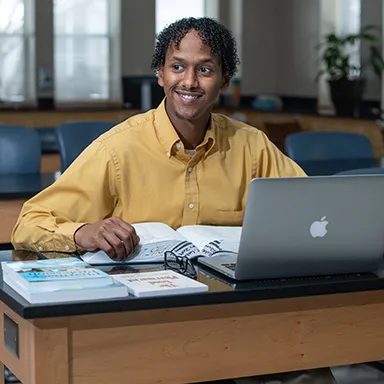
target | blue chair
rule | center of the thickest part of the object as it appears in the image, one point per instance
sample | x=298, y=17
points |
x=20, y=150
x=363, y=171
x=316, y=146
x=74, y=137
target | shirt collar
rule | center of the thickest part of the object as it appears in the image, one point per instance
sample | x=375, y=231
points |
x=168, y=136
x=165, y=132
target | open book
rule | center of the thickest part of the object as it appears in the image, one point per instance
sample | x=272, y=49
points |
x=190, y=241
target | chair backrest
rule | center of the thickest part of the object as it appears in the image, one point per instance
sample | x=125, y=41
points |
x=277, y=131
x=74, y=137
x=363, y=171
x=311, y=146
x=20, y=150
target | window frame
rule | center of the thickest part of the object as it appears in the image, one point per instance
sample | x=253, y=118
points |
x=27, y=37
x=114, y=68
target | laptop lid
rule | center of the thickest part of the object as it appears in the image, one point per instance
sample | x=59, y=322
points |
x=322, y=225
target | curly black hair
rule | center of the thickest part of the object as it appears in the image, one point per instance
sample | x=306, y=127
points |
x=213, y=34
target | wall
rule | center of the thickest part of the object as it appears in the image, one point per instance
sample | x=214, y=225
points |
x=278, y=39
x=371, y=14
x=278, y=45
x=297, y=57
x=259, y=39
x=137, y=36
x=43, y=43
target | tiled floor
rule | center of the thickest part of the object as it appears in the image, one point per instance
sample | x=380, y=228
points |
x=358, y=374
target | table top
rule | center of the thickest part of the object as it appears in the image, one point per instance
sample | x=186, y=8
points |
x=222, y=290
x=18, y=186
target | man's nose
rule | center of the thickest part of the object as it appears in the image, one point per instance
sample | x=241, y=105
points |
x=190, y=80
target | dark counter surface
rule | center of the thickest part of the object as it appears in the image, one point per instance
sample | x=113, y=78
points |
x=221, y=291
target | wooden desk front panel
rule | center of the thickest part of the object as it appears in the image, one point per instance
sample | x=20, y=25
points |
x=194, y=344
x=226, y=341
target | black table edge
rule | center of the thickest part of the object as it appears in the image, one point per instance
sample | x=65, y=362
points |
x=35, y=311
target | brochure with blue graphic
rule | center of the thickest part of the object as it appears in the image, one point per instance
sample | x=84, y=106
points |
x=51, y=274
x=73, y=294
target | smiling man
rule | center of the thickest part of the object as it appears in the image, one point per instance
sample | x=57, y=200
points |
x=180, y=164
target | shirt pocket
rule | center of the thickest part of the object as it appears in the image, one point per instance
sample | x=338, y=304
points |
x=219, y=217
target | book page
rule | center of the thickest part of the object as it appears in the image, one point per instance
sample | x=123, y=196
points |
x=212, y=240
x=155, y=240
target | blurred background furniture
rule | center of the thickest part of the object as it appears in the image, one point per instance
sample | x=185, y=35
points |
x=20, y=150
x=363, y=171
x=74, y=137
x=317, y=146
x=278, y=131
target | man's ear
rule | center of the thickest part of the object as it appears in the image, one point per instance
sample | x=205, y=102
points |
x=226, y=80
x=160, y=75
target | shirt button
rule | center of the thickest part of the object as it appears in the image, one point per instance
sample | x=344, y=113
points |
x=178, y=145
x=40, y=248
x=67, y=247
x=190, y=169
x=191, y=206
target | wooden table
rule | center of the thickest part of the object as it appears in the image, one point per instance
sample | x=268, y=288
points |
x=231, y=331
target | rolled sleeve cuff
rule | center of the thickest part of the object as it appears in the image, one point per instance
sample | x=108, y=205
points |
x=65, y=241
x=62, y=240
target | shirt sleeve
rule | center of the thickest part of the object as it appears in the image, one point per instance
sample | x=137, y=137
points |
x=271, y=162
x=84, y=193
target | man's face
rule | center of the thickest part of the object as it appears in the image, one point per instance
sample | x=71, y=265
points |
x=191, y=78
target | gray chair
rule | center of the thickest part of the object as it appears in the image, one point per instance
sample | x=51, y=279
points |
x=74, y=137
x=20, y=150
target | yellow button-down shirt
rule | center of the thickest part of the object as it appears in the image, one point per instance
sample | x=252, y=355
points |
x=140, y=172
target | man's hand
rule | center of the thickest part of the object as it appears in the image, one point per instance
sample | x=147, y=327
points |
x=114, y=236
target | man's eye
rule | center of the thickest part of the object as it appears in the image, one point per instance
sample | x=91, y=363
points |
x=177, y=67
x=205, y=70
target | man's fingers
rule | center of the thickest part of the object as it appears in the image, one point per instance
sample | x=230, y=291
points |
x=128, y=240
x=125, y=226
x=107, y=248
x=117, y=244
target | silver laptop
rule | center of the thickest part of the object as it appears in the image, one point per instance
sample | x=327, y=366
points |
x=310, y=226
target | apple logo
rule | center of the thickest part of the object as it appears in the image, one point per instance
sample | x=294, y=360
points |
x=318, y=228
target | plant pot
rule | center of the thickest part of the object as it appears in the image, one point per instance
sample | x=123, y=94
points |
x=346, y=96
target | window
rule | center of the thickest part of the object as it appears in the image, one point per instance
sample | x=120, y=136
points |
x=168, y=11
x=342, y=17
x=83, y=50
x=349, y=22
x=15, y=44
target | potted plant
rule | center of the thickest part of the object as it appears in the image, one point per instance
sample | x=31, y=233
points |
x=346, y=78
